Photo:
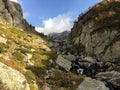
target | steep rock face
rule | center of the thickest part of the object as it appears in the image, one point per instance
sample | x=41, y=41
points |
x=97, y=32
x=12, y=13
x=12, y=79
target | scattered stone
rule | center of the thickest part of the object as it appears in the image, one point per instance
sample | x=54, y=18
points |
x=73, y=82
x=90, y=59
x=32, y=50
x=51, y=61
x=47, y=77
x=3, y=35
x=6, y=57
x=46, y=86
x=85, y=64
x=29, y=63
x=3, y=40
x=28, y=56
x=35, y=85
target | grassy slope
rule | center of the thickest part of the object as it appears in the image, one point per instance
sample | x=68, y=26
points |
x=18, y=45
x=15, y=50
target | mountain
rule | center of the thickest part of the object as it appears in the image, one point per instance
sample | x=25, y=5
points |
x=59, y=36
x=97, y=32
x=12, y=13
x=26, y=61
x=30, y=61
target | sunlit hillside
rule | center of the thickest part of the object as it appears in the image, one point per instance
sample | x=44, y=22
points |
x=23, y=52
x=30, y=55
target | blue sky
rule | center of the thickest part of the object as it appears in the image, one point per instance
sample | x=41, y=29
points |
x=54, y=15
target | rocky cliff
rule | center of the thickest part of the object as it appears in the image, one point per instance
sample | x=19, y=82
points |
x=97, y=31
x=12, y=13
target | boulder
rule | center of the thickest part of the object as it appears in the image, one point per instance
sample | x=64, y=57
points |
x=89, y=59
x=111, y=77
x=12, y=79
x=70, y=57
x=92, y=84
x=64, y=63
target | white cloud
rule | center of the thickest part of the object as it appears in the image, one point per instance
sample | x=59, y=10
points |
x=14, y=1
x=57, y=24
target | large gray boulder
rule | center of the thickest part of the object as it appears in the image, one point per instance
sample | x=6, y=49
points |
x=97, y=32
x=92, y=84
x=64, y=63
x=12, y=79
x=70, y=57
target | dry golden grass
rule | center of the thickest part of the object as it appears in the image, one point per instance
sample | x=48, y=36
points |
x=19, y=44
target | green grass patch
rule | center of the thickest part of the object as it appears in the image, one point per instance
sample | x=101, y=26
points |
x=23, y=50
x=18, y=56
x=3, y=47
x=30, y=76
